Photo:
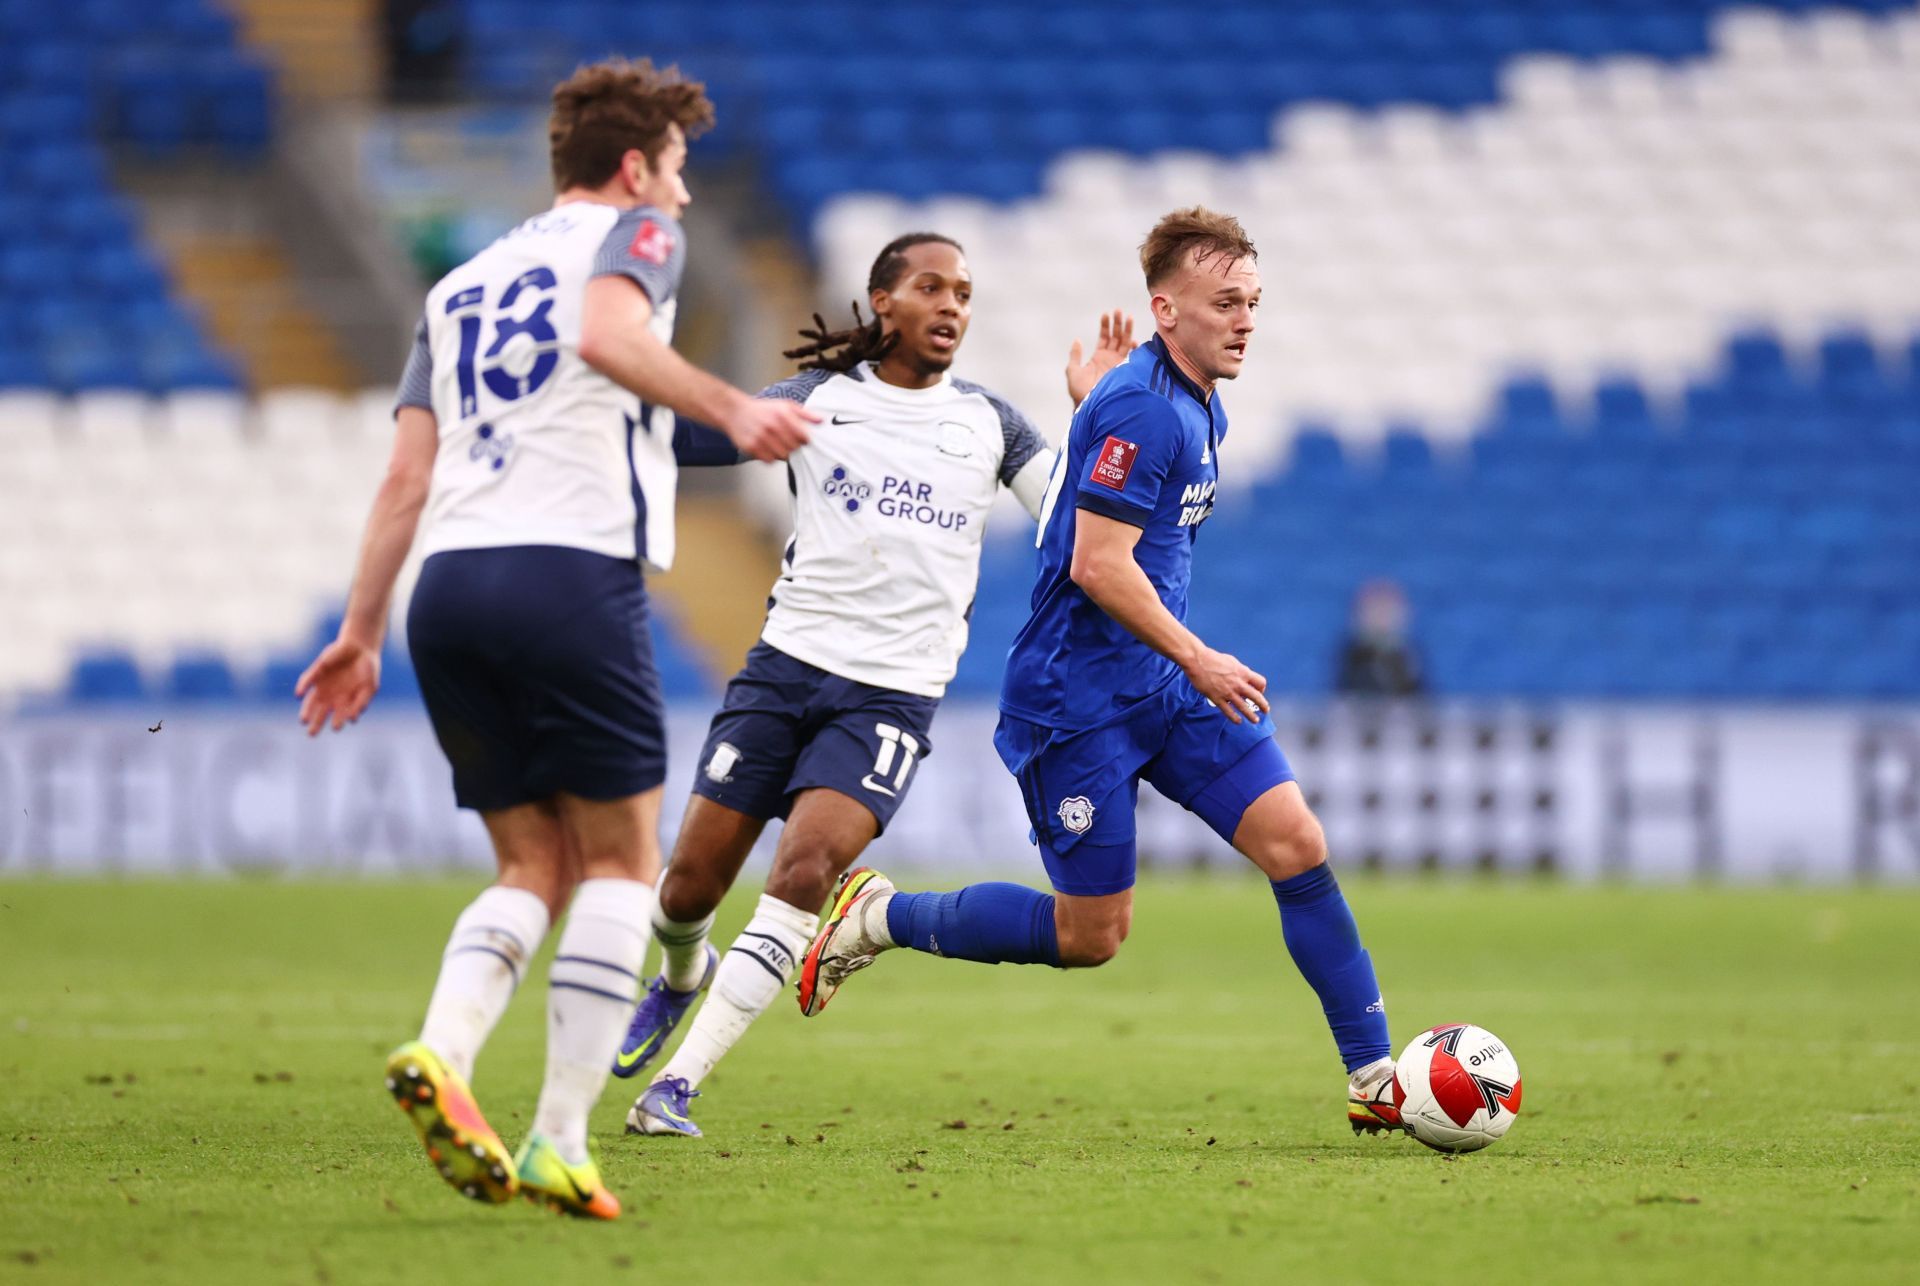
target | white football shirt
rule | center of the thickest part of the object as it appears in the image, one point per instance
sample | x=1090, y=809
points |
x=890, y=500
x=537, y=447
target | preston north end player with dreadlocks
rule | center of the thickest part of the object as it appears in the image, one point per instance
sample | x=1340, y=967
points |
x=534, y=431
x=828, y=719
x=1106, y=687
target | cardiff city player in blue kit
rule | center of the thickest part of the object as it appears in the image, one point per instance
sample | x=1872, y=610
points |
x=1106, y=687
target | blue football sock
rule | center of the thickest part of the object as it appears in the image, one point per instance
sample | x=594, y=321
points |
x=991, y=923
x=1325, y=945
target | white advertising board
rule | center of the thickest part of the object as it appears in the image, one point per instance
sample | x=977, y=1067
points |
x=1739, y=793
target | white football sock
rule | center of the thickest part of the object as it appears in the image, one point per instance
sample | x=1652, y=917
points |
x=590, y=993
x=873, y=919
x=752, y=973
x=487, y=954
x=683, y=948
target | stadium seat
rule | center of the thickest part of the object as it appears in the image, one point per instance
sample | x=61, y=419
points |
x=201, y=677
x=1504, y=245
x=105, y=676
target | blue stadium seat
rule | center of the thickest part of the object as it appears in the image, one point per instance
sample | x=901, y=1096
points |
x=152, y=103
x=278, y=677
x=101, y=676
x=1136, y=75
x=399, y=681
x=1848, y=358
x=1527, y=405
x=1621, y=409
x=1317, y=453
x=23, y=368
x=235, y=104
x=201, y=676
x=1756, y=357
x=182, y=368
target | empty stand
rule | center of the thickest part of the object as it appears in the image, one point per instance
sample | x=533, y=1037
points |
x=90, y=305
x=1610, y=211
x=1505, y=245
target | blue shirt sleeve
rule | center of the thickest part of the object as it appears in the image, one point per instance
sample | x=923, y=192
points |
x=701, y=446
x=647, y=246
x=416, y=382
x=1134, y=438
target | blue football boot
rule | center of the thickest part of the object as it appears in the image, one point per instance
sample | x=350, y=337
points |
x=663, y=1109
x=656, y=1017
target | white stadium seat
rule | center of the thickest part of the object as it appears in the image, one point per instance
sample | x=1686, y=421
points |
x=220, y=535
x=1620, y=212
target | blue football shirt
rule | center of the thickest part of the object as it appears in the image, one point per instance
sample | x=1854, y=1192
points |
x=1144, y=449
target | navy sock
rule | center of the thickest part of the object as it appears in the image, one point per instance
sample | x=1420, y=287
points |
x=991, y=923
x=1325, y=945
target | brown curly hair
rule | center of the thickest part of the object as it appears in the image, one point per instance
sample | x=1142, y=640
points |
x=605, y=110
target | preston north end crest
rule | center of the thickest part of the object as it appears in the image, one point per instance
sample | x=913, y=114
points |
x=1076, y=814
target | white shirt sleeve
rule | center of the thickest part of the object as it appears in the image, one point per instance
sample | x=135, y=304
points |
x=1029, y=485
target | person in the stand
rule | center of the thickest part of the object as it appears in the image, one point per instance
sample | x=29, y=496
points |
x=1378, y=659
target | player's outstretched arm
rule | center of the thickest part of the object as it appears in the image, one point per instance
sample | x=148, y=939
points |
x=1109, y=350
x=1104, y=567
x=615, y=341
x=346, y=674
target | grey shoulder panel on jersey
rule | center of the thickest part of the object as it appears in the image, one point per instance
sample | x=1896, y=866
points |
x=416, y=382
x=1022, y=441
x=647, y=245
x=797, y=387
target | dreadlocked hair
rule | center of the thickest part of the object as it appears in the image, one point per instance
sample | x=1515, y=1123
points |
x=840, y=351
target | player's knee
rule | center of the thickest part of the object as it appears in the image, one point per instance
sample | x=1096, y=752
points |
x=1090, y=949
x=1295, y=849
x=688, y=893
x=804, y=872
x=1089, y=945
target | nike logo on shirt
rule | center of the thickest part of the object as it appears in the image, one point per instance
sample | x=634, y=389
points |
x=847, y=419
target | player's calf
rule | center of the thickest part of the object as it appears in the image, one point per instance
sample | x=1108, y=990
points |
x=825, y=834
x=1091, y=929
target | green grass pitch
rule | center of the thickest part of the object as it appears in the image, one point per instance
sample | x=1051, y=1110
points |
x=1719, y=1086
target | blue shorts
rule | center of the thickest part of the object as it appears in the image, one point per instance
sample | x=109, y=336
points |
x=537, y=670
x=787, y=726
x=1081, y=787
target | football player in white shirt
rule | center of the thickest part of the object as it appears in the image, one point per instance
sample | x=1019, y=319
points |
x=828, y=719
x=535, y=429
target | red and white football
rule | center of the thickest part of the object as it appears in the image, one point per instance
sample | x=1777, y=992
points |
x=1457, y=1087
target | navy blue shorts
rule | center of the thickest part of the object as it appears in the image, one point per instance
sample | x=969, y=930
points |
x=537, y=669
x=787, y=726
x=1081, y=788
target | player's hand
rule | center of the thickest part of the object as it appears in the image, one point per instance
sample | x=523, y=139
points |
x=1111, y=349
x=1236, y=691
x=338, y=685
x=770, y=428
